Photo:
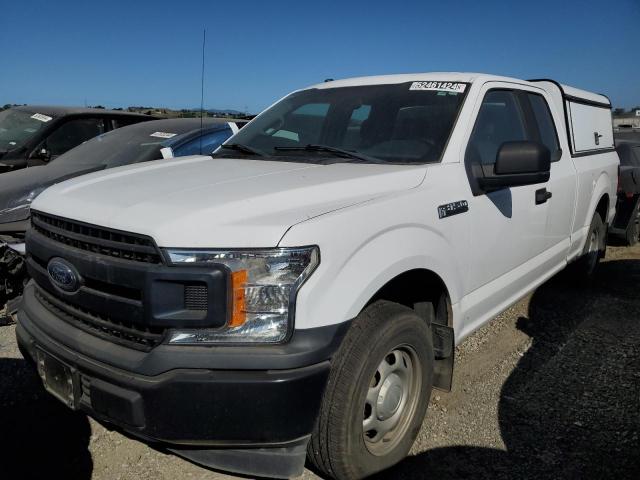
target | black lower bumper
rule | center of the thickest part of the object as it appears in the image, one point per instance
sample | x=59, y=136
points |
x=248, y=421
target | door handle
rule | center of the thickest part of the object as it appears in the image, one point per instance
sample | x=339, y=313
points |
x=542, y=196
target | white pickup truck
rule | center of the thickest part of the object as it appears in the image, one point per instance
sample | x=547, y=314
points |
x=300, y=293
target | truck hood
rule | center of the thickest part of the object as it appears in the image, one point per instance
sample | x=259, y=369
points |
x=205, y=202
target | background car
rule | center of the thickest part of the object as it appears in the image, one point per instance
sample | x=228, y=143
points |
x=35, y=135
x=153, y=140
x=626, y=224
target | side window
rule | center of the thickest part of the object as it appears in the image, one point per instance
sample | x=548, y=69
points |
x=210, y=142
x=544, y=120
x=500, y=120
x=73, y=133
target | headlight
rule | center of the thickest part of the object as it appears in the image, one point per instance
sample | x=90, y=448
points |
x=265, y=284
x=18, y=209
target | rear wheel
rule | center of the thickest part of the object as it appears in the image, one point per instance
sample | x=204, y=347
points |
x=633, y=229
x=594, y=248
x=377, y=394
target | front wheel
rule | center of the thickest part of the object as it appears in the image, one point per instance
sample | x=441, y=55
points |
x=377, y=394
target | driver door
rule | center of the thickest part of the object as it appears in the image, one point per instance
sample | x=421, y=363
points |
x=507, y=225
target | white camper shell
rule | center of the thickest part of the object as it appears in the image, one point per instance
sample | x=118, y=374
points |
x=587, y=115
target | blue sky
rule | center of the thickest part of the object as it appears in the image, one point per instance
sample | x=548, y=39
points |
x=121, y=53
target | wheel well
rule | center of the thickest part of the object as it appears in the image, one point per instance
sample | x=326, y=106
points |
x=603, y=207
x=416, y=286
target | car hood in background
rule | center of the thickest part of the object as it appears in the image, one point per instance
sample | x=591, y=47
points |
x=18, y=184
x=205, y=202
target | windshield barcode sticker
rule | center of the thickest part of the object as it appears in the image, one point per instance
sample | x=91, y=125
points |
x=439, y=86
x=163, y=135
x=41, y=117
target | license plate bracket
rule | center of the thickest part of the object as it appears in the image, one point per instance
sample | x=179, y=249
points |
x=57, y=378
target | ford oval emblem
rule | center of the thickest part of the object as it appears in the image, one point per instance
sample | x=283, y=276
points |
x=63, y=275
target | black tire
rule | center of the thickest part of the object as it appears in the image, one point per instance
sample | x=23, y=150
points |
x=594, y=249
x=633, y=229
x=338, y=448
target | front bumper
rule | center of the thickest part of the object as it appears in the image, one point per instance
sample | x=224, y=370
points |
x=254, y=421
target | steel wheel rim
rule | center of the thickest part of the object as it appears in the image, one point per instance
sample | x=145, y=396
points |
x=594, y=251
x=392, y=399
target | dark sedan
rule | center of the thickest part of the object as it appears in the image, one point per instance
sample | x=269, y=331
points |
x=36, y=135
x=626, y=224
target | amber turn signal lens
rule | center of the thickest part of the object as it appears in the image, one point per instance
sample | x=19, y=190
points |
x=238, y=281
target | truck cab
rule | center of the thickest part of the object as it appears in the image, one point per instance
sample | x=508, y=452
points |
x=300, y=294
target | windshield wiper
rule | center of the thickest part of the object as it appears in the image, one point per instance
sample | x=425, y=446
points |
x=327, y=148
x=243, y=148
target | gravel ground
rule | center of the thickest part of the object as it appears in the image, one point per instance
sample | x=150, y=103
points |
x=549, y=389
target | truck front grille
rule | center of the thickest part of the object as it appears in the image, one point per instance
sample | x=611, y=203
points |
x=126, y=293
x=98, y=240
x=123, y=333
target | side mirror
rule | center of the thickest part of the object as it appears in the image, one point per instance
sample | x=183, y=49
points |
x=44, y=154
x=517, y=164
x=39, y=156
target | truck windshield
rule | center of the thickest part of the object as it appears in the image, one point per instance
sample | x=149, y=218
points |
x=399, y=123
x=16, y=127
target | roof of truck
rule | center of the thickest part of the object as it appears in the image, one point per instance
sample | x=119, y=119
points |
x=466, y=77
x=57, y=111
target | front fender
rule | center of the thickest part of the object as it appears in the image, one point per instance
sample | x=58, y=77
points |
x=350, y=275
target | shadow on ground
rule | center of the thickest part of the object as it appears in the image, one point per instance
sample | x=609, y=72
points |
x=40, y=437
x=571, y=407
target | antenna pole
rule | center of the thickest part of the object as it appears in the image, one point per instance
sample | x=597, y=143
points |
x=204, y=41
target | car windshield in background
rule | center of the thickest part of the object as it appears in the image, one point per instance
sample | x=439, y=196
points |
x=16, y=127
x=118, y=147
x=400, y=123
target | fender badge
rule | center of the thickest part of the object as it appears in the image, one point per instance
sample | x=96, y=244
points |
x=453, y=208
